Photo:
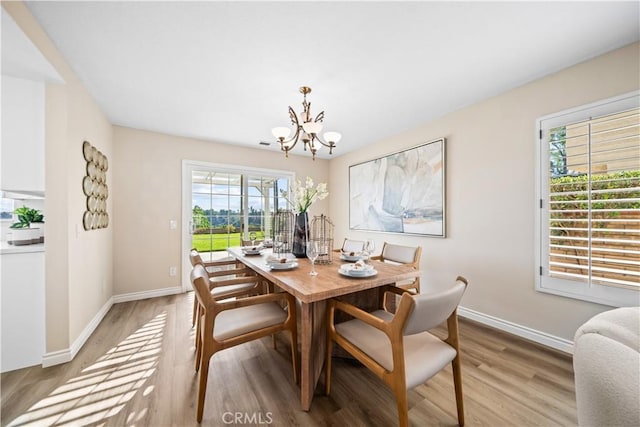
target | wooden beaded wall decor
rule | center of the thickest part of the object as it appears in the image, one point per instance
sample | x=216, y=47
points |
x=94, y=186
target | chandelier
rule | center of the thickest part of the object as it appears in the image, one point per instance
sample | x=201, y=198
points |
x=305, y=128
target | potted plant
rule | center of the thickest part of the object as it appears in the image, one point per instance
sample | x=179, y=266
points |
x=26, y=231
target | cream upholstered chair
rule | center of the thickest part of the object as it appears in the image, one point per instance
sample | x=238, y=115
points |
x=606, y=364
x=255, y=242
x=408, y=255
x=398, y=348
x=349, y=245
x=225, y=269
x=225, y=324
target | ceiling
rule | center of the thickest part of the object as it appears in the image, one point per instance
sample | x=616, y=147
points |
x=20, y=57
x=227, y=71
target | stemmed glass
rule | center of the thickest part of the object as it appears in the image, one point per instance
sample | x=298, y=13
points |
x=252, y=237
x=369, y=247
x=313, y=250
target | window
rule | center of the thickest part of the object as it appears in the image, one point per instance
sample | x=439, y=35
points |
x=227, y=204
x=589, y=192
x=6, y=209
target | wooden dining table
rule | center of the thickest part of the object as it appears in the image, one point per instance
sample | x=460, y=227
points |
x=312, y=292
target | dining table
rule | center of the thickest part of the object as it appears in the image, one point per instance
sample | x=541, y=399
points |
x=312, y=293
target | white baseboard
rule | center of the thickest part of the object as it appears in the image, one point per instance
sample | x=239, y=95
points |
x=539, y=337
x=135, y=296
x=67, y=355
x=56, y=358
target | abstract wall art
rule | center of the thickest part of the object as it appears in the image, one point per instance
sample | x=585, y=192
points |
x=403, y=192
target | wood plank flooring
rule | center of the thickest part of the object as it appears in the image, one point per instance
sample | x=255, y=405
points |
x=137, y=369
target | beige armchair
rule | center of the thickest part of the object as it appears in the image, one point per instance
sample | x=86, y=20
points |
x=255, y=242
x=349, y=245
x=398, y=348
x=408, y=255
x=229, y=323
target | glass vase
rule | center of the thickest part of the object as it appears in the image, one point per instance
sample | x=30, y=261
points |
x=300, y=235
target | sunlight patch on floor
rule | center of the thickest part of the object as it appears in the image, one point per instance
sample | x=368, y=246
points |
x=104, y=387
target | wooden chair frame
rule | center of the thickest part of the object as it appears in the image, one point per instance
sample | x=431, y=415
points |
x=209, y=345
x=238, y=270
x=395, y=379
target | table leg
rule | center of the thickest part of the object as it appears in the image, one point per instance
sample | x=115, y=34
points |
x=312, y=349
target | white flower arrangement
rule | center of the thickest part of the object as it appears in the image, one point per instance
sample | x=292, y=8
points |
x=301, y=197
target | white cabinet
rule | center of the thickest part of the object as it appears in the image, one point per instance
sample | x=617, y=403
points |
x=22, y=135
x=22, y=316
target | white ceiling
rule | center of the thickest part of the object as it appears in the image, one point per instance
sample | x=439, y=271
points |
x=20, y=57
x=226, y=71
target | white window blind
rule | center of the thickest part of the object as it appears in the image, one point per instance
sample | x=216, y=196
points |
x=589, y=219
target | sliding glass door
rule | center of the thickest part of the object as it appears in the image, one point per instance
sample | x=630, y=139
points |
x=223, y=205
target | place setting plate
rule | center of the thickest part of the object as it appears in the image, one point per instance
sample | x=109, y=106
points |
x=352, y=258
x=283, y=265
x=357, y=270
x=258, y=252
x=252, y=250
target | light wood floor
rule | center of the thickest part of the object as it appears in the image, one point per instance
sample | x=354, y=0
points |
x=137, y=370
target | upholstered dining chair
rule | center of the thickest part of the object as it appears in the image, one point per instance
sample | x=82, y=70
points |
x=398, y=348
x=225, y=324
x=252, y=242
x=225, y=269
x=407, y=255
x=350, y=245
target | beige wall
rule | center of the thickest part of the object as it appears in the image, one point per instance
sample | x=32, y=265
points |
x=90, y=252
x=147, y=173
x=491, y=151
x=78, y=266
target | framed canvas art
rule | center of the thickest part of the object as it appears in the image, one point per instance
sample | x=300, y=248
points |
x=402, y=192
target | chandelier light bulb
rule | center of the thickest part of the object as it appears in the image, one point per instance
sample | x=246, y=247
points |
x=281, y=132
x=332, y=137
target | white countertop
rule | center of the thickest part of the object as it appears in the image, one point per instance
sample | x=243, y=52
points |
x=6, y=248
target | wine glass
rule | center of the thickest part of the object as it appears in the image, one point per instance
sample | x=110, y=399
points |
x=313, y=251
x=252, y=237
x=369, y=247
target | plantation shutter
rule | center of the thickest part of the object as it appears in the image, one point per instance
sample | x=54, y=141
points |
x=594, y=200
